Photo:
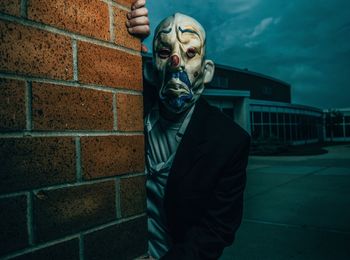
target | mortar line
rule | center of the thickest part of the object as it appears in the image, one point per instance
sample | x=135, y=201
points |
x=79, y=37
x=111, y=2
x=71, y=184
x=13, y=194
x=115, y=222
x=117, y=199
x=40, y=246
x=24, y=8
x=115, y=112
x=75, y=60
x=68, y=134
x=70, y=237
x=29, y=103
x=81, y=247
x=130, y=175
x=30, y=223
x=71, y=84
x=78, y=160
x=111, y=22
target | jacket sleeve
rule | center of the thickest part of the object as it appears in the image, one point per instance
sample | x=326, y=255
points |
x=217, y=227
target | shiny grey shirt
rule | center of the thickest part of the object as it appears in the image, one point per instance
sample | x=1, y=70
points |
x=163, y=138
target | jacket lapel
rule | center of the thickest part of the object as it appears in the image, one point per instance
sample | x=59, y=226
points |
x=191, y=146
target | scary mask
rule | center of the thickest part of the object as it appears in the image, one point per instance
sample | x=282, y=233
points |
x=179, y=61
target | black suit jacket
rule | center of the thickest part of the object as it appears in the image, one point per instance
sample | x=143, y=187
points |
x=204, y=193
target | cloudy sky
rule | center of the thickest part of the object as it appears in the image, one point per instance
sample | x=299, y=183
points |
x=305, y=43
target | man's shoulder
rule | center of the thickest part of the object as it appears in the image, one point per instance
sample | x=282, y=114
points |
x=223, y=127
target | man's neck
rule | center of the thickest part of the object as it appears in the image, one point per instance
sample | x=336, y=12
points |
x=171, y=116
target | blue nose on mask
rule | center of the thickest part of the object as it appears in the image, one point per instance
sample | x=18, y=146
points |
x=181, y=75
x=177, y=103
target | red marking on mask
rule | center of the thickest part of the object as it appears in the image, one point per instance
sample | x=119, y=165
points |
x=174, y=61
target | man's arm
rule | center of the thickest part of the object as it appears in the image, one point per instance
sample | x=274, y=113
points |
x=138, y=22
x=223, y=216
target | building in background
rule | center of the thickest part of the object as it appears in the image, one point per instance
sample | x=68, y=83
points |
x=262, y=106
x=337, y=124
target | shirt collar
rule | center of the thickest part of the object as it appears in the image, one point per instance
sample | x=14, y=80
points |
x=153, y=117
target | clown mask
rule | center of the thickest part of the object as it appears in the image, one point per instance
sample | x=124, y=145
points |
x=179, y=60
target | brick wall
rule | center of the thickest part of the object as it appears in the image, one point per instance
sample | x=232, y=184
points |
x=71, y=131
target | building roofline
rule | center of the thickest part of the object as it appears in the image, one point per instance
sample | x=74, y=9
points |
x=343, y=109
x=257, y=74
x=245, y=71
x=225, y=93
x=257, y=102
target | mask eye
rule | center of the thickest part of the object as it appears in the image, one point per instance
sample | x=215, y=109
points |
x=191, y=52
x=164, y=53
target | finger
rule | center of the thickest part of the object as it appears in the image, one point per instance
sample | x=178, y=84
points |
x=138, y=12
x=138, y=4
x=137, y=21
x=144, y=48
x=142, y=30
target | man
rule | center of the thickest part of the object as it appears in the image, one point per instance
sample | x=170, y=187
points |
x=196, y=157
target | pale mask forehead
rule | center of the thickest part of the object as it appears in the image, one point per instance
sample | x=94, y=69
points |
x=182, y=29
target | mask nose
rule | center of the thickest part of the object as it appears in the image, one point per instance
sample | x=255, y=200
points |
x=174, y=61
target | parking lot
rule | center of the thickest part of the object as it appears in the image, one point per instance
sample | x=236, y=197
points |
x=296, y=208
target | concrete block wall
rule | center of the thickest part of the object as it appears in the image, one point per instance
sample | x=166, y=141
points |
x=71, y=131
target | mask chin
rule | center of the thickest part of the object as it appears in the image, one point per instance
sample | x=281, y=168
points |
x=176, y=92
x=178, y=104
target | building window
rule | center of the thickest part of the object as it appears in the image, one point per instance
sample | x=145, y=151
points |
x=287, y=127
x=219, y=82
x=280, y=118
x=256, y=133
x=347, y=130
x=274, y=131
x=273, y=118
x=267, y=91
x=257, y=117
x=338, y=130
x=347, y=119
x=281, y=132
x=266, y=119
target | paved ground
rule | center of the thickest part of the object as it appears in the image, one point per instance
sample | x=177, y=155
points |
x=296, y=208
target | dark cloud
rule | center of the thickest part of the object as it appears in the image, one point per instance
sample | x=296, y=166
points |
x=305, y=43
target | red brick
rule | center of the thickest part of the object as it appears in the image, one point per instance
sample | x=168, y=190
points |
x=122, y=36
x=12, y=105
x=126, y=3
x=36, y=52
x=71, y=108
x=27, y=163
x=109, y=67
x=13, y=224
x=112, y=155
x=64, y=250
x=124, y=241
x=87, y=17
x=69, y=210
x=133, y=195
x=11, y=7
x=130, y=112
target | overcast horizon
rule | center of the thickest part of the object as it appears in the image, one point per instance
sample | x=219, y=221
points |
x=304, y=43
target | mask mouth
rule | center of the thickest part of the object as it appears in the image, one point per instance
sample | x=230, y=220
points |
x=175, y=89
x=177, y=84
